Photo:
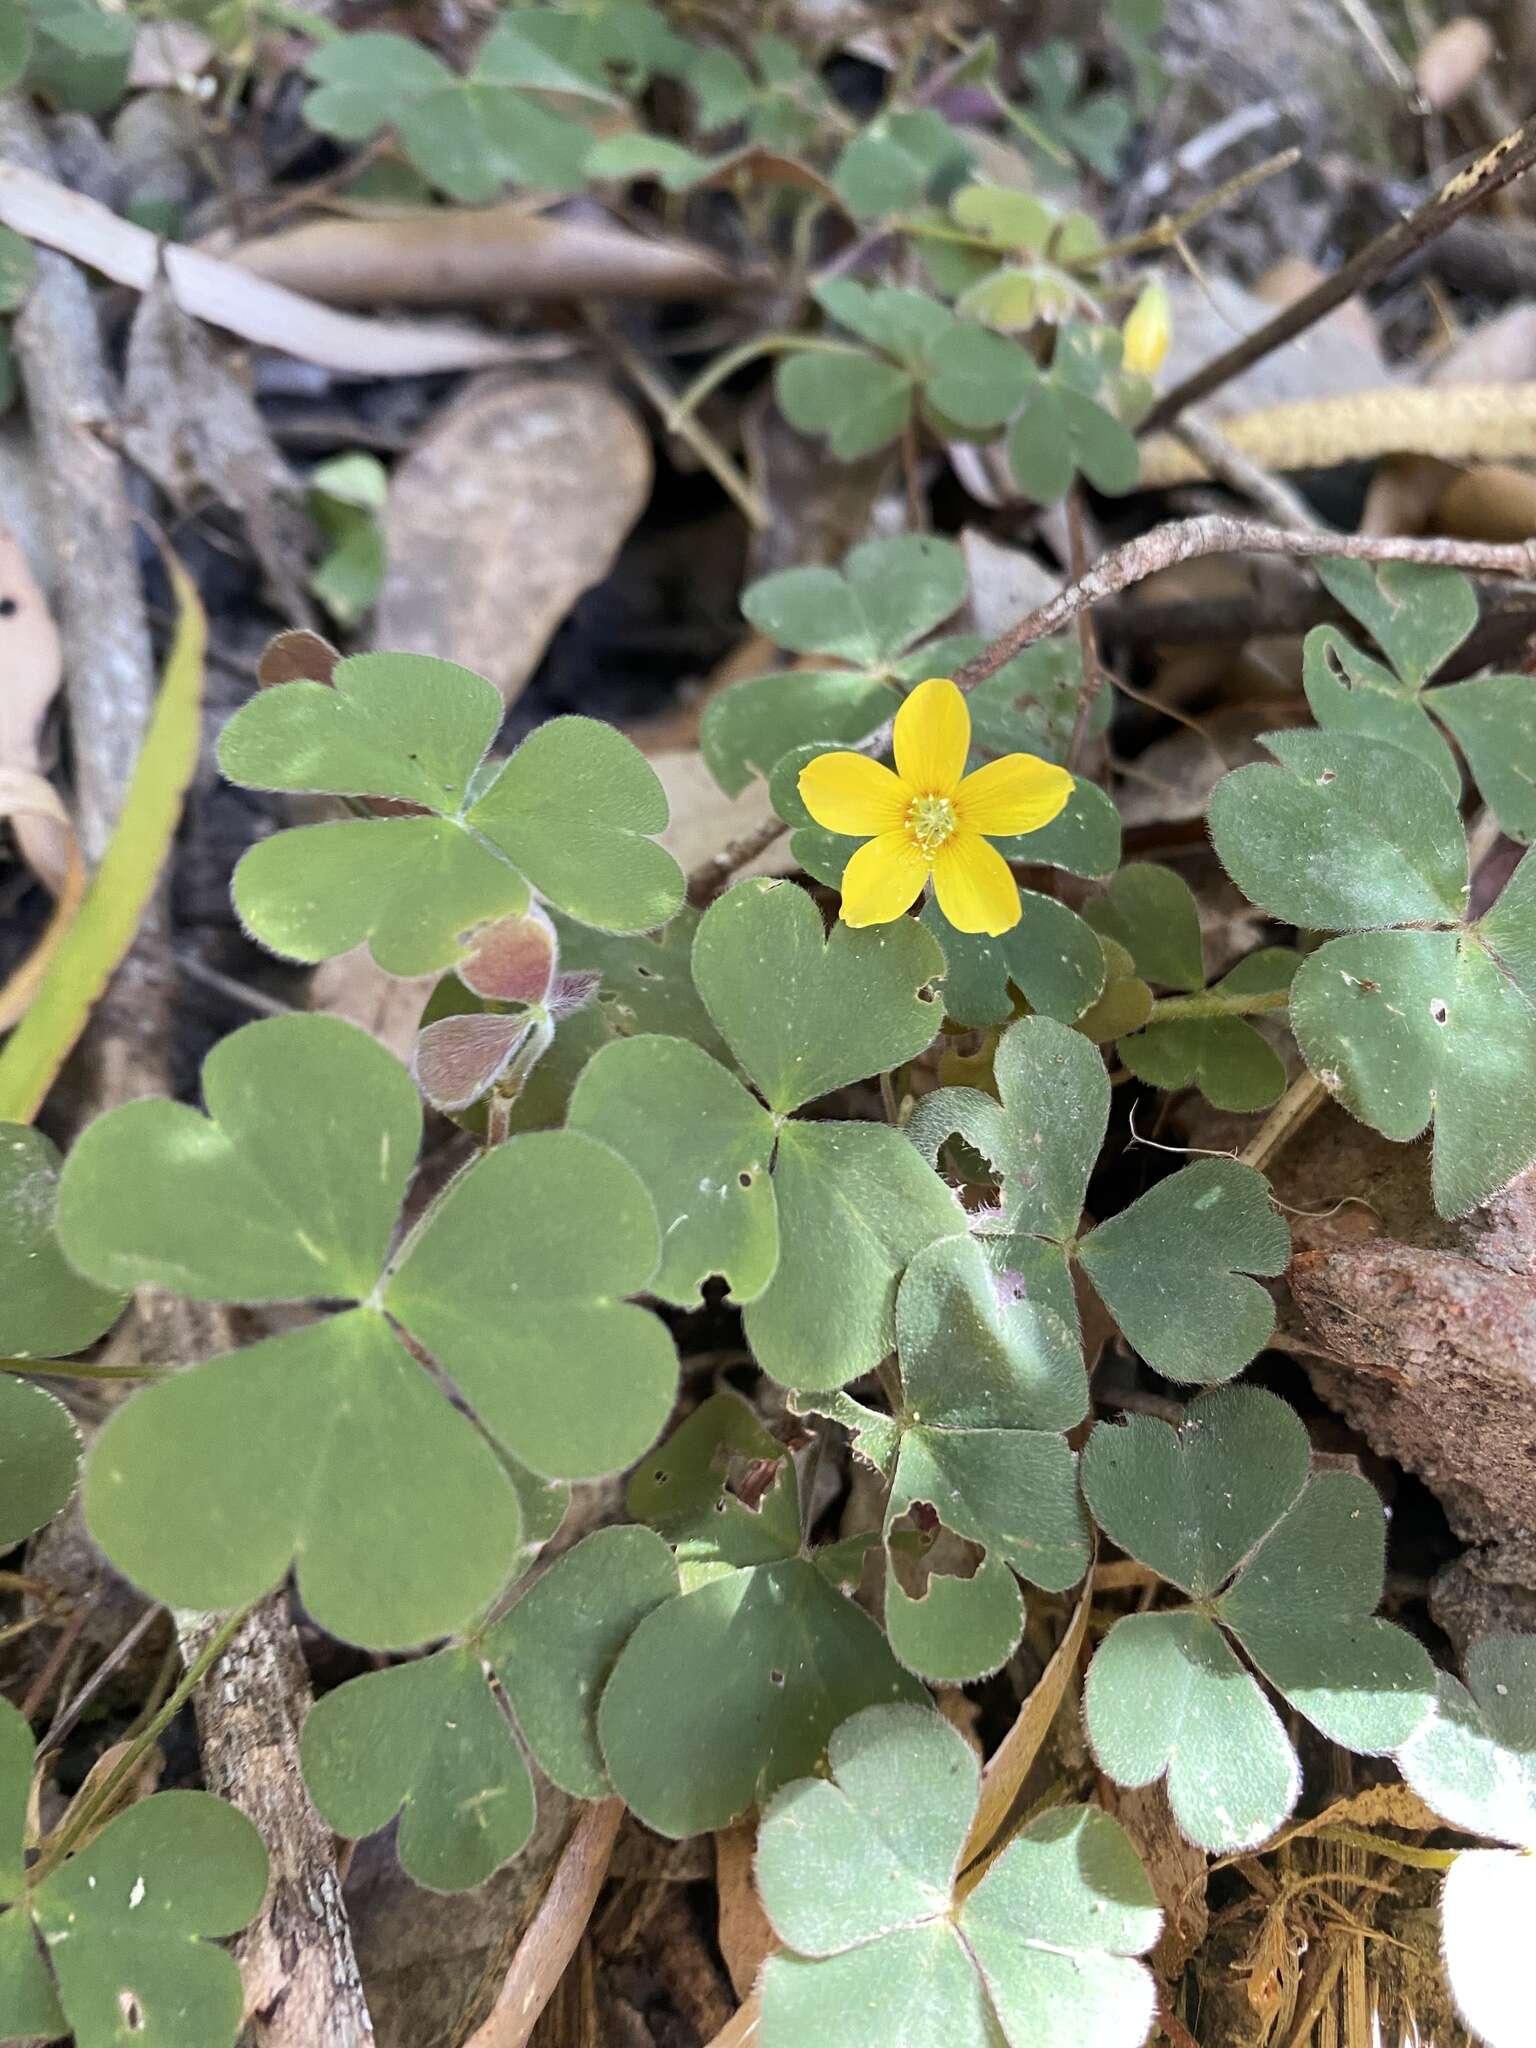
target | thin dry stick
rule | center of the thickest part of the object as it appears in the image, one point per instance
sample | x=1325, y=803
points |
x=1305, y=1094
x=555, y=1930
x=1506, y=161
x=1219, y=533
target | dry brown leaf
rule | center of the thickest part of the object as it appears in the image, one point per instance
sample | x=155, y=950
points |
x=704, y=819
x=136, y=1786
x=742, y=1931
x=354, y=986
x=227, y=296
x=296, y=656
x=33, y=669
x=1402, y=495
x=1175, y=1866
x=1453, y=59
x=515, y=501
x=470, y=256
x=1491, y=502
x=1005, y=584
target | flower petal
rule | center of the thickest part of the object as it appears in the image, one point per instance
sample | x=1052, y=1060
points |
x=933, y=737
x=883, y=879
x=1020, y=793
x=975, y=890
x=851, y=793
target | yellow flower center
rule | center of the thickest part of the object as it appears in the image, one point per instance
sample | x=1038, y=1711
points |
x=931, y=822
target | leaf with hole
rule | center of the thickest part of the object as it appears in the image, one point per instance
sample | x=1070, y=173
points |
x=859, y=1876
x=1173, y=1269
x=572, y=814
x=128, y=1923
x=1288, y=1566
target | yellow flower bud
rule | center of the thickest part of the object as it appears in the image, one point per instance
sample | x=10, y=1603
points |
x=1146, y=330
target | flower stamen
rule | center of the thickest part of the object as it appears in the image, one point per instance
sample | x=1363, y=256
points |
x=931, y=822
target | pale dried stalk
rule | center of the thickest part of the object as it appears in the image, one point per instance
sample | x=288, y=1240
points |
x=555, y=1931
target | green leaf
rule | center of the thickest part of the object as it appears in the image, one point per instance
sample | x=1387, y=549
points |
x=989, y=1384
x=573, y=1379
x=46, y=1309
x=978, y=378
x=1405, y=1026
x=855, y=1206
x=959, y=1630
x=1173, y=1268
x=888, y=594
x=80, y=54
x=1084, y=838
x=1059, y=431
x=745, y=1676
x=1292, y=1566
x=1030, y=704
x=1195, y=1503
x=754, y=724
x=1167, y=1697
x=1051, y=956
x=893, y=163
x=859, y=402
x=682, y=1490
x=1348, y=692
x=1151, y=911
x=287, y=1190
x=18, y=259
x=205, y=1487
x=1231, y=1064
x=841, y=1009
x=1417, y=615
x=1474, y=1759
x=1344, y=833
x=573, y=812
x=126, y=1923
x=702, y=1146
x=646, y=981
x=858, y=1876
x=39, y=1455
x=1486, y=1911
x=1493, y=719
x=15, y=46
x=554, y=1649
x=426, y=1741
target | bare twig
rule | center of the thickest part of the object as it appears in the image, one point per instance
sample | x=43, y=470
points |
x=712, y=877
x=1305, y=1094
x=555, y=1930
x=1217, y=533
x=1506, y=161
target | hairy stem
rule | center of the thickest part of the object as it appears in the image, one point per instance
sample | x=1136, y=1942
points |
x=1212, y=1003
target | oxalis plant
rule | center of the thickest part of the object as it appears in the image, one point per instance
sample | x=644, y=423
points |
x=666, y=1107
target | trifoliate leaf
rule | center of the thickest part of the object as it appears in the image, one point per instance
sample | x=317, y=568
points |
x=977, y=378
x=1290, y=1566
x=1151, y=911
x=746, y=1676
x=904, y=323
x=1050, y=956
x=1418, y=615
x=856, y=1204
x=128, y=1923
x=888, y=594
x=289, y=1190
x=554, y=1649
x=1172, y=1268
x=958, y=1630
x=39, y=1457
x=893, y=163
x=702, y=1145
x=427, y=1741
x=1342, y=834
x=858, y=1875
x=46, y=1309
x=842, y=1008
x=574, y=812
x=858, y=401
x=989, y=1385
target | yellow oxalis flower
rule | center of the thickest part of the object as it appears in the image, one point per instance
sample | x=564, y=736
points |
x=931, y=818
x=1147, y=331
